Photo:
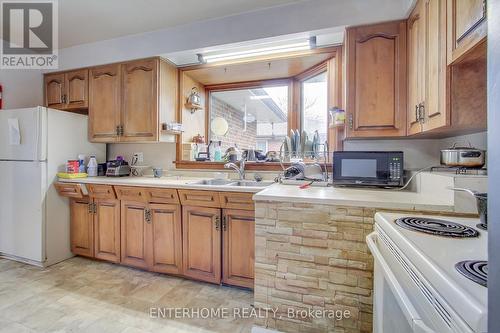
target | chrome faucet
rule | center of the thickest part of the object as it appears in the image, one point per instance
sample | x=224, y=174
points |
x=239, y=169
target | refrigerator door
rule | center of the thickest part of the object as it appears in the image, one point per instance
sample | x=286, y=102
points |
x=23, y=134
x=22, y=210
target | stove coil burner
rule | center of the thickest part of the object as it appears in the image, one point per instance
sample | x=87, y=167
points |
x=482, y=226
x=475, y=270
x=437, y=227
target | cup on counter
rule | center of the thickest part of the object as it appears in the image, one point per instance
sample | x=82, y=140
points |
x=157, y=172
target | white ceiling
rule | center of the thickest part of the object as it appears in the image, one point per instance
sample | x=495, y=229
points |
x=86, y=21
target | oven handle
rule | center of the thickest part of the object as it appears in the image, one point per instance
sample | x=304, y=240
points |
x=404, y=303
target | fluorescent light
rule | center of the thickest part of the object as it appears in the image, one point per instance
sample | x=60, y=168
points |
x=255, y=52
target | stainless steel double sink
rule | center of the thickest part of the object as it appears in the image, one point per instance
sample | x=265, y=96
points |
x=227, y=182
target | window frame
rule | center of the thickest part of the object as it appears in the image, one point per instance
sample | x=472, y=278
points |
x=336, y=96
x=310, y=73
x=245, y=85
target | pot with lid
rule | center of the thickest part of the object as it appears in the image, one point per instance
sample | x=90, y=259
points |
x=468, y=157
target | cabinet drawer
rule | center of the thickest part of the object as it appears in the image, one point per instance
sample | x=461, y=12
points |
x=199, y=198
x=131, y=193
x=162, y=195
x=101, y=191
x=70, y=190
x=236, y=200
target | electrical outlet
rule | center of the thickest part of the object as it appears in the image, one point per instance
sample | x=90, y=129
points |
x=139, y=156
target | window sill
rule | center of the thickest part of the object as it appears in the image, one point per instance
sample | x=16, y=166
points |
x=251, y=166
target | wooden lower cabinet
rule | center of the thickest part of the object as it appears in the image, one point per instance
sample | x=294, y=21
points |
x=165, y=239
x=152, y=231
x=201, y=243
x=81, y=227
x=238, y=247
x=151, y=236
x=107, y=229
x=134, y=234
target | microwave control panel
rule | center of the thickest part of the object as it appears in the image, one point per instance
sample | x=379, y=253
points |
x=395, y=168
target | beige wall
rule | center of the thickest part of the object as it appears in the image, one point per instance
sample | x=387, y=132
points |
x=194, y=123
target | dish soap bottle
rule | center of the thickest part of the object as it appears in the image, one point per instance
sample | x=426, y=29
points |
x=218, y=152
x=92, y=167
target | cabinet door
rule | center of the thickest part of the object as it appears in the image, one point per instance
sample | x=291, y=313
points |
x=104, y=103
x=134, y=234
x=140, y=100
x=201, y=243
x=238, y=247
x=54, y=91
x=165, y=238
x=376, y=77
x=77, y=89
x=107, y=229
x=467, y=26
x=81, y=228
x=416, y=67
x=435, y=108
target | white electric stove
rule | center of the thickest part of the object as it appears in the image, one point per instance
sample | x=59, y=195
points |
x=430, y=274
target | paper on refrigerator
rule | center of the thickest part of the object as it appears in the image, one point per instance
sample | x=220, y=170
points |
x=14, y=132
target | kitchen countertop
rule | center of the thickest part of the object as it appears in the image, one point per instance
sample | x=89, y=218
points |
x=374, y=198
x=178, y=182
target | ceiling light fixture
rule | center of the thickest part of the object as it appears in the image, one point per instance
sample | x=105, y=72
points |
x=256, y=51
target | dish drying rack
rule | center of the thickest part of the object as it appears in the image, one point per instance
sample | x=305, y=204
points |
x=320, y=156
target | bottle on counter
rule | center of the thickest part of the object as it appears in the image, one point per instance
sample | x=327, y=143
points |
x=81, y=162
x=92, y=167
x=218, y=152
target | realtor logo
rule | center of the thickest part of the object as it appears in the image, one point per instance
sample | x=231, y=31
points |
x=29, y=34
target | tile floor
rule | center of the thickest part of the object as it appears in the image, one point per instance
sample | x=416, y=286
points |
x=81, y=295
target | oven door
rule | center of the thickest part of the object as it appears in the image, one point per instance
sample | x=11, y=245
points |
x=392, y=309
x=404, y=301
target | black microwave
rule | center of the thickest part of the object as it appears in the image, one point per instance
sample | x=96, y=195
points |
x=368, y=168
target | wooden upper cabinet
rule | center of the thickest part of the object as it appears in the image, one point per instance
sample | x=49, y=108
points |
x=467, y=26
x=140, y=100
x=67, y=90
x=201, y=240
x=376, y=80
x=81, y=227
x=134, y=219
x=107, y=229
x=104, y=103
x=165, y=238
x=238, y=247
x=416, y=64
x=428, y=74
x=77, y=89
x=54, y=90
x=435, y=111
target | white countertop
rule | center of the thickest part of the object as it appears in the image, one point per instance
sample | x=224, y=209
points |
x=180, y=182
x=375, y=198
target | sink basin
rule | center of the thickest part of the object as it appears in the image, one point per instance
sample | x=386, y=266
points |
x=251, y=183
x=215, y=182
x=233, y=182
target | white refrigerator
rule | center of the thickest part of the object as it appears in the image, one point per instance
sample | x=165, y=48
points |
x=35, y=144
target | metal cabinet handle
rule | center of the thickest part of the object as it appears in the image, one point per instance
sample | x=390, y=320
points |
x=217, y=223
x=90, y=207
x=351, y=122
x=417, y=115
x=421, y=112
x=147, y=216
x=224, y=223
x=63, y=98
